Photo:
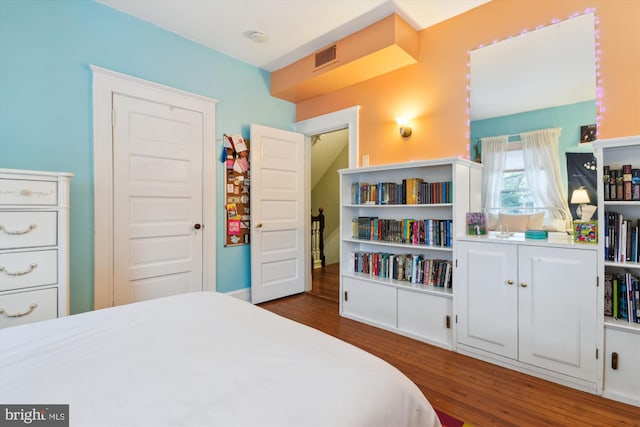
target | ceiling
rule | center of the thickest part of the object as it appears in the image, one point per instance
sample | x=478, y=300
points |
x=292, y=29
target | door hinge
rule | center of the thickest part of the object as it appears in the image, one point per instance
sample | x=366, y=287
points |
x=346, y=296
x=447, y=321
x=456, y=319
x=597, y=353
x=456, y=263
x=597, y=281
x=113, y=118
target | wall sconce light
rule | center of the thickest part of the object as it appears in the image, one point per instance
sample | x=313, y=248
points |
x=405, y=129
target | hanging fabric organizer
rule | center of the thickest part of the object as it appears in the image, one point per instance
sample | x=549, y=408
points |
x=235, y=155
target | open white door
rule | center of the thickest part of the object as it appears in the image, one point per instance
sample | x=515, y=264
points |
x=277, y=213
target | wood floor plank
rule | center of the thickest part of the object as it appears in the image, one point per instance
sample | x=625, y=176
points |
x=475, y=391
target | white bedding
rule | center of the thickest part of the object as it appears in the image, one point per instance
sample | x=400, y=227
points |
x=202, y=359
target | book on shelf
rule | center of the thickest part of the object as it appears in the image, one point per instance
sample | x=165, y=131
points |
x=621, y=184
x=608, y=295
x=410, y=191
x=606, y=178
x=423, y=232
x=622, y=297
x=626, y=183
x=622, y=237
x=412, y=268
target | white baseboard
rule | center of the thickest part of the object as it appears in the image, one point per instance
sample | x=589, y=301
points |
x=243, y=294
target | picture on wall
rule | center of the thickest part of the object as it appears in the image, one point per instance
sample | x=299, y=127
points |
x=582, y=184
x=587, y=133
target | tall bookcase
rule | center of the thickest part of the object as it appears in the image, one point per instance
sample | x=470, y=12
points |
x=621, y=337
x=380, y=231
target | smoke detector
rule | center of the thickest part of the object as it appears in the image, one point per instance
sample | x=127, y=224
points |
x=256, y=36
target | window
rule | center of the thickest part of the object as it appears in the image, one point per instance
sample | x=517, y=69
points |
x=514, y=190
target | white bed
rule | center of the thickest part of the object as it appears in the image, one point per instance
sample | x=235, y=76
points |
x=202, y=359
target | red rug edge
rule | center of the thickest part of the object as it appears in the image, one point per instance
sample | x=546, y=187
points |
x=447, y=420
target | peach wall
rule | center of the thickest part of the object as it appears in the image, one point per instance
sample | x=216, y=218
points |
x=434, y=91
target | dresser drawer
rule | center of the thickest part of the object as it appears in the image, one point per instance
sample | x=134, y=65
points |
x=28, y=306
x=27, y=269
x=28, y=192
x=24, y=229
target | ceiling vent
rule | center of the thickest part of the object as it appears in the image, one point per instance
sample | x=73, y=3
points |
x=380, y=48
x=326, y=56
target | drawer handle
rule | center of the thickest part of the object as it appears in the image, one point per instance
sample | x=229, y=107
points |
x=29, y=311
x=18, y=232
x=19, y=273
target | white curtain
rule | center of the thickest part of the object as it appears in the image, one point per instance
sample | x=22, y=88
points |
x=494, y=158
x=542, y=168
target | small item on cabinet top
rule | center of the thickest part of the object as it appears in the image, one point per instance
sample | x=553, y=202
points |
x=585, y=231
x=536, y=234
x=476, y=223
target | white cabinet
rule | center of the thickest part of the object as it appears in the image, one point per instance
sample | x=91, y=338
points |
x=622, y=370
x=530, y=304
x=621, y=336
x=378, y=229
x=34, y=246
x=487, y=297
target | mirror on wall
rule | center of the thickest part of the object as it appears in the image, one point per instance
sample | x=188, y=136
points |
x=544, y=78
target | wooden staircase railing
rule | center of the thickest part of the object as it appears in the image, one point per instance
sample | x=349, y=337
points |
x=317, y=239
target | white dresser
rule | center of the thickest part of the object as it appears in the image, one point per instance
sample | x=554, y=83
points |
x=34, y=246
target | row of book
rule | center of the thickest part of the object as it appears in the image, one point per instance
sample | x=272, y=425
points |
x=622, y=297
x=404, y=267
x=622, y=237
x=621, y=184
x=411, y=191
x=427, y=232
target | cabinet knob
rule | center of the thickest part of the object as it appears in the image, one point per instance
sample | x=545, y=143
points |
x=197, y=226
x=509, y=282
x=523, y=284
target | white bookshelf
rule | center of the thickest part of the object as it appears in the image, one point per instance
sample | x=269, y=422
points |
x=621, y=338
x=417, y=310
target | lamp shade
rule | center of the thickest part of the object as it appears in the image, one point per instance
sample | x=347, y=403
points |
x=580, y=195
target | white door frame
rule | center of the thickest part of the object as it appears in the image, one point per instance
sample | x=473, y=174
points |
x=105, y=83
x=347, y=118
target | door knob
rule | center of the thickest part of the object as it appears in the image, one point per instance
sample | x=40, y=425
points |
x=259, y=225
x=197, y=226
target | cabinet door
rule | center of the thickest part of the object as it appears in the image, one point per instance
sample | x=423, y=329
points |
x=486, y=297
x=368, y=301
x=557, y=309
x=425, y=316
x=622, y=370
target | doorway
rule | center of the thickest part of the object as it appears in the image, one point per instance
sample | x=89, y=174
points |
x=329, y=153
x=343, y=122
x=106, y=84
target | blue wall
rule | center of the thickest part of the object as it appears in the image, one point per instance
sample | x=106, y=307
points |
x=567, y=117
x=46, y=105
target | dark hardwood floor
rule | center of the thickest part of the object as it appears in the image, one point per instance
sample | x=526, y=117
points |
x=472, y=390
x=325, y=282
